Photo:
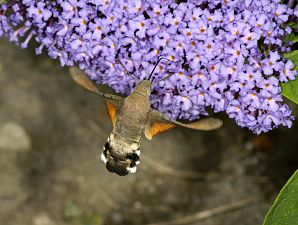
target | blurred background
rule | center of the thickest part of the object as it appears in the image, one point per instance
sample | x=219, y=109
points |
x=51, y=137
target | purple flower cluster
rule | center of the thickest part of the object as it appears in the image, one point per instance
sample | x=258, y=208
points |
x=226, y=53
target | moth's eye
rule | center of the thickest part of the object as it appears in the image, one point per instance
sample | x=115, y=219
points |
x=107, y=146
x=134, y=157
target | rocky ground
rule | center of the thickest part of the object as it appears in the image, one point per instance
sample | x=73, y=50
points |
x=51, y=133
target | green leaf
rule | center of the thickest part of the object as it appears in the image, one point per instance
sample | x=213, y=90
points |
x=290, y=89
x=291, y=37
x=293, y=25
x=2, y=1
x=77, y=216
x=285, y=208
x=92, y=219
x=72, y=211
x=293, y=56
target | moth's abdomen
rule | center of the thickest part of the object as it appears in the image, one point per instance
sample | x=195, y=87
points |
x=121, y=155
x=114, y=168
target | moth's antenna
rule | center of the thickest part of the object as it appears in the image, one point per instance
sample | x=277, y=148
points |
x=164, y=78
x=156, y=64
x=129, y=73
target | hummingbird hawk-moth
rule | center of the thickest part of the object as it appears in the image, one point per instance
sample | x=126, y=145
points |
x=132, y=117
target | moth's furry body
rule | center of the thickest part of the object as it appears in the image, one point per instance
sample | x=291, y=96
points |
x=128, y=130
x=132, y=117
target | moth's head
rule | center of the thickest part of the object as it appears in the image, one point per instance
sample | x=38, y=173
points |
x=144, y=87
x=121, y=159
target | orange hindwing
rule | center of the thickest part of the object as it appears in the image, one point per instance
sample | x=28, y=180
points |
x=156, y=128
x=112, y=111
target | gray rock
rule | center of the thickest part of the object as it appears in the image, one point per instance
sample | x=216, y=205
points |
x=42, y=219
x=13, y=137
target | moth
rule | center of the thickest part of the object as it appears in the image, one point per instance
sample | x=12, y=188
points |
x=132, y=117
